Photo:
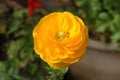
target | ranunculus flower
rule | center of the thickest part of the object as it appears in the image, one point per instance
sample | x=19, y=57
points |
x=60, y=39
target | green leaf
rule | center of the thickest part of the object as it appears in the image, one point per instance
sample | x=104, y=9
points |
x=21, y=33
x=40, y=77
x=101, y=26
x=104, y=16
x=2, y=68
x=19, y=13
x=2, y=28
x=117, y=20
x=79, y=2
x=14, y=26
x=15, y=47
x=115, y=37
x=112, y=27
x=111, y=5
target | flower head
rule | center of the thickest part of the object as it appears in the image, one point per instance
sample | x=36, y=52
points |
x=32, y=5
x=60, y=38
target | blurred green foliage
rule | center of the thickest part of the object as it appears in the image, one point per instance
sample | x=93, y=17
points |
x=102, y=18
x=17, y=58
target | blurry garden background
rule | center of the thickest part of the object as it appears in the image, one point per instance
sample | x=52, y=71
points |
x=18, y=60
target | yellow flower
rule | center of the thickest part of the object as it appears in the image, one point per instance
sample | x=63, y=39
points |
x=60, y=39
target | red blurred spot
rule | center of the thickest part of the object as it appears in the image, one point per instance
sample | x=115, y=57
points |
x=32, y=5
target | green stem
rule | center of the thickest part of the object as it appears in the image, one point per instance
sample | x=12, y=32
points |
x=57, y=74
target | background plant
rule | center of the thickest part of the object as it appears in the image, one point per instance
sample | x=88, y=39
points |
x=17, y=58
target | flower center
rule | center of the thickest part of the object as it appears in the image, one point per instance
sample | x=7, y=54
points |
x=60, y=35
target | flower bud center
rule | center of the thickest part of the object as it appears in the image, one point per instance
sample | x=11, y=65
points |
x=60, y=35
